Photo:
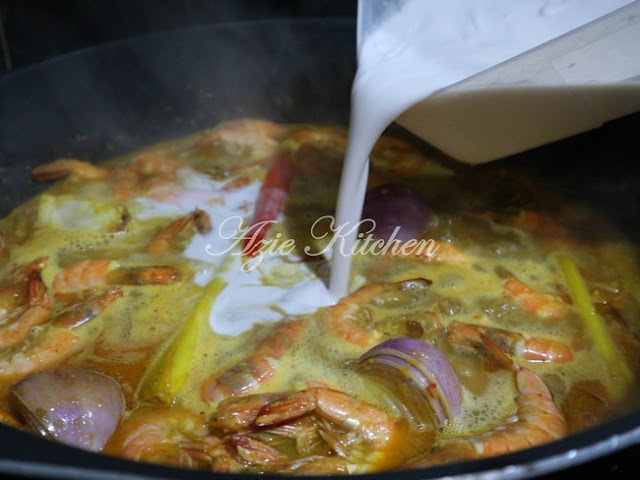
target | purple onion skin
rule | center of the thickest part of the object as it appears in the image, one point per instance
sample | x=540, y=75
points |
x=395, y=205
x=77, y=407
x=431, y=359
x=389, y=367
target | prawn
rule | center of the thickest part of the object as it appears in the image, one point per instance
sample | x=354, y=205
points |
x=16, y=294
x=546, y=305
x=69, y=166
x=343, y=317
x=153, y=173
x=537, y=420
x=528, y=348
x=88, y=274
x=394, y=156
x=81, y=313
x=124, y=182
x=317, y=151
x=37, y=310
x=55, y=342
x=255, y=369
x=256, y=452
x=82, y=275
x=23, y=272
x=12, y=297
x=258, y=455
x=153, y=170
x=355, y=431
x=170, y=435
x=162, y=241
x=156, y=161
x=238, y=413
x=253, y=139
x=319, y=137
x=532, y=221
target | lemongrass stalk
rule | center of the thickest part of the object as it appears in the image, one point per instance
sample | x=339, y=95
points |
x=169, y=373
x=595, y=326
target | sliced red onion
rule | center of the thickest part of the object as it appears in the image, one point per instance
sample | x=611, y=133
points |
x=422, y=369
x=73, y=406
x=392, y=206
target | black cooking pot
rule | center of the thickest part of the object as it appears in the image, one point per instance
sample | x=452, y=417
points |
x=99, y=102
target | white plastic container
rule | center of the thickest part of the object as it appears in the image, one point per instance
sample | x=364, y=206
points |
x=568, y=85
x=481, y=80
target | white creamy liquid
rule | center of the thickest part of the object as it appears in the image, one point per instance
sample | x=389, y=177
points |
x=278, y=287
x=426, y=46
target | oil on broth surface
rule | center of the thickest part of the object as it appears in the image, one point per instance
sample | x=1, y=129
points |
x=126, y=269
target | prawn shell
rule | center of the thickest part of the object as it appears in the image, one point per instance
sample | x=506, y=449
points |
x=77, y=407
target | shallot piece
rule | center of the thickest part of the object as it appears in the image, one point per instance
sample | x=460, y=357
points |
x=420, y=373
x=392, y=206
x=77, y=407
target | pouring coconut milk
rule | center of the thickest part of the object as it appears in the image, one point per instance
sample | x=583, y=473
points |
x=417, y=55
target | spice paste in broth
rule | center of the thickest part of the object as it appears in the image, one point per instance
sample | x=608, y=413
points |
x=237, y=360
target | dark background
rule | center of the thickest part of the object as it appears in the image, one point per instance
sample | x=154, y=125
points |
x=34, y=30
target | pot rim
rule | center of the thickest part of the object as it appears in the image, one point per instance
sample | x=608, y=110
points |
x=24, y=454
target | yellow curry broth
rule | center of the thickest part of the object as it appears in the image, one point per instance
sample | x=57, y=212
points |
x=490, y=252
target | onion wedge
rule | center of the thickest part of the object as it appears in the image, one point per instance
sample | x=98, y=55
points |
x=420, y=374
